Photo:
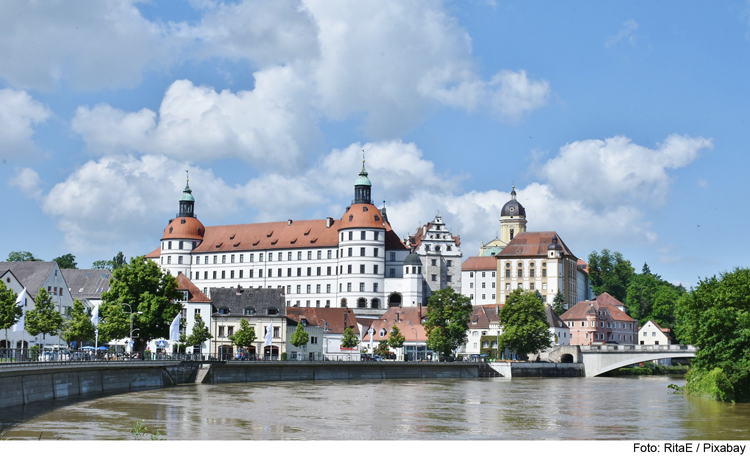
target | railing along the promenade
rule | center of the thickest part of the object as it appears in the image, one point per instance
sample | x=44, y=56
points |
x=637, y=348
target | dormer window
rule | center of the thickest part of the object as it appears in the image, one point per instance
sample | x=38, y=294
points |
x=224, y=311
x=273, y=311
x=249, y=311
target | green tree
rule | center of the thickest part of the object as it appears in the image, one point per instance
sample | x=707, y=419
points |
x=10, y=312
x=715, y=317
x=396, y=339
x=80, y=327
x=147, y=289
x=200, y=333
x=117, y=262
x=21, y=256
x=610, y=272
x=382, y=350
x=447, y=321
x=558, y=304
x=245, y=335
x=664, y=304
x=349, y=339
x=299, y=336
x=66, y=261
x=524, y=324
x=44, y=318
x=640, y=296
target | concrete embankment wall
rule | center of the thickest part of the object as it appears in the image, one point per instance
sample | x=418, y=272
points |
x=27, y=384
x=236, y=372
x=539, y=370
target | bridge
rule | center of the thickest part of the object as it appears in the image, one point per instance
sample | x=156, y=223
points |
x=599, y=359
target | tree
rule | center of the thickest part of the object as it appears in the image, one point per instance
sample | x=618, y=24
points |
x=382, y=349
x=245, y=335
x=10, y=312
x=44, y=318
x=117, y=262
x=349, y=339
x=199, y=333
x=558, y=304
x=299, y=336
x=611, y=273
x=524, y=324
x=80, y=327
x=147, y=289
x=21, y=256
x=396, y=339
x=715, y=317
x=66, y=261
x=640, y=296
x=447, y=321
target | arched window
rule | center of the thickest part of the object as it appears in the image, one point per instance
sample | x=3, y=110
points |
x=361, y=303
x=375, y=303
x=394, y=299
x=343, y=302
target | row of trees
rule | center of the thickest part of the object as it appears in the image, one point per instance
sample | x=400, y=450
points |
x=646, y=295
x=68, y=261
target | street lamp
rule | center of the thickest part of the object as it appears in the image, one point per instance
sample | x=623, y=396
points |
x=130, y=337
x=325, y=338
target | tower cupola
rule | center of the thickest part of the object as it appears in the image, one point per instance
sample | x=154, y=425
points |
x=362, y=186
x=187, y=201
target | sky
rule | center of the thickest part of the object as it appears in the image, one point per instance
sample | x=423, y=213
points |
x=623, y=125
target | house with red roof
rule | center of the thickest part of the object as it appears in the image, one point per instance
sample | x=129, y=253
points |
x=603, y=320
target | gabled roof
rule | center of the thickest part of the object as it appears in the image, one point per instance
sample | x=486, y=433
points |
x=474, y=263
x=154, y=254
x=665, y=330
x=608, y=300
x=533, y=244
x=482, y=316
x=334, y=318
x=553, y=319
x=32, y=274
x=584, y=309
x=195, y=295
x=416, y=239
x=236, y=299
x=87, y=283
x=408, y=319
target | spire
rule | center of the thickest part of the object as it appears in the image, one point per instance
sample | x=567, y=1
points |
x=362, y=186
x=513, y=193
x=187, y=201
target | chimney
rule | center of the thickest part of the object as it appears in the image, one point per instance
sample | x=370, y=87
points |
x=289, y=222
x=329, y=222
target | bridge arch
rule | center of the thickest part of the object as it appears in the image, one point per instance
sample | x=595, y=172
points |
x=598, y=360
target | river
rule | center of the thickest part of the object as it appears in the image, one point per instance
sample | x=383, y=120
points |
x=621, y=408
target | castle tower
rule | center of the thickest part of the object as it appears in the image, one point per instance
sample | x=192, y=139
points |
x=181, y=236
x=512, y=219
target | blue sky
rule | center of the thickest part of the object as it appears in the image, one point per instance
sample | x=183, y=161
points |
x=623, y=125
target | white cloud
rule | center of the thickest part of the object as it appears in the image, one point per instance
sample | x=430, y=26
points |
x=626, y=33
x=89, y=44
x=28, y=181
x=19, y=113
x=268, y=127
x=603, y=173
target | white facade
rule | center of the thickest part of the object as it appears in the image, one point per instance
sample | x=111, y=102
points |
x=480, y=286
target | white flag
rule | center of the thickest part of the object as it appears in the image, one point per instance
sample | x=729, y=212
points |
x=21, y=301
x=95, y=316
x=269, y=335
x=174, y=329
x=371, y=331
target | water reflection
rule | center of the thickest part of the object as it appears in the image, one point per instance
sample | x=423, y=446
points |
x=599, y=408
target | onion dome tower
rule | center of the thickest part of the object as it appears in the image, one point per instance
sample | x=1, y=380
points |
x=181, y=236
x=512, y=218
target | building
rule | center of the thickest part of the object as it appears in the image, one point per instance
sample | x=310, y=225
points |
x=313, y=350
x=585, y=290
x=538, y=261
x=409, y=321
x=87, y=285
x=479, y=279
x=483, y=333
x=651, y=333
x=263, y=308
x=33, y=276
x=356, y=261
x=440, y=254
x=333, y=322
x=603, y=320
x=558, y=329
x=194, y=304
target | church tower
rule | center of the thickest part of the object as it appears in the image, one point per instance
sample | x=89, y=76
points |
x=183, y=234
x=512, y=219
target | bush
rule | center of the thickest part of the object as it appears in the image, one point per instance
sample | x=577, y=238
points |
x=713, y=385
x=283, y=356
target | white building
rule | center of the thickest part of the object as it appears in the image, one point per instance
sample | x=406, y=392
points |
x=34, y=276
x=479, y=279
x=440, y=254
x=355, y=262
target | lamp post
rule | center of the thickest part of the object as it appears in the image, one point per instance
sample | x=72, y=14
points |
x=130, y=337
x=416, y=350
x=325, y=338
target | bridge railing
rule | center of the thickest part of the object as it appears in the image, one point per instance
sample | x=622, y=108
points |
x=637, y=348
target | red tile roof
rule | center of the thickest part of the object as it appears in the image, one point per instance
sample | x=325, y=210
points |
x=584, y=308
x=607, y=299
x=479, y=263
x=184, y=228
x=194, y=293
x=334, y=317
x=533, y=244
x=401, y=317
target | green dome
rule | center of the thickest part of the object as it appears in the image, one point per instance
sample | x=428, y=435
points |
x=412, y=259
x=187, y=195
x=363, y=180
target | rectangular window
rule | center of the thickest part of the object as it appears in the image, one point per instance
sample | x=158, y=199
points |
x=493, y=285
x=362, y=286
x=169, y=259
x=223, y=259
x=375, y=287
x=231, y=274
x=375, y=269
x=289, y=272
x=317, y=288
x=434, y=278
x=270, y=257
x=299, y=288
x=270, y=271
x=216, y=259
x=230, y=331
x=289, y=289
x=362, y=235
x=289, y=256
x=299, y=271
x=349, y=285
x=328, y=270
x=328, y=288
x=250, y=273
x=493, y=273
x=349, y=252
x=483, y=284
x=317, y=270
x=483, y=273
x=393, y=257
x=532, y=287
x=375, y=252
x=221, y=331
x=223, y=274
x=231, y=259
x=205, y=275
x=350, y=235
x=278, y=273
x=520, y=272
x=434, y=262
x=309, y=271
x=449, y=278
x=320, y=254
x=362, y=252
x=392, y=273
x=242, y=258
x=309, y=255
x=276, y=332
x=179, y=259
x=260, y=257
x=361, y=268
x=214, y=275
x=260, y=273
x=197, y=259
x=299, y=255
x=532, y=272
x=544, y=272
x=308, y=288
x=205, y=259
